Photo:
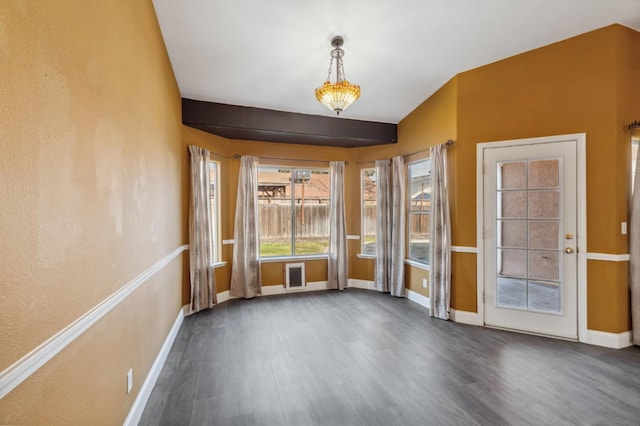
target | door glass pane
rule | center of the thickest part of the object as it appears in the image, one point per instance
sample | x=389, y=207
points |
x=544, y=265
x=512, y=233
x=544, y=204
x=544, y=296
x=528, y=231
x=544, y=174
x=512, y=204
x=511, y=293
x=512, y=263
x=512, y=175
x=544, y=234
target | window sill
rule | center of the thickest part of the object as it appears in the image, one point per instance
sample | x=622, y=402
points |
x=217, y=265
x=366, y=256
x=276, y=259
x=418, y=265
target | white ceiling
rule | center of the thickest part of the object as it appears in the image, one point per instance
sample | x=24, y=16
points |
x=273, y=54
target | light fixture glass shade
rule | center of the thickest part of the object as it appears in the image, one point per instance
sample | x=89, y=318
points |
x=338, y=96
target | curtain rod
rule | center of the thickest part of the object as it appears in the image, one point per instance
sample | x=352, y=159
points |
x=237, y=156
x=219, y=155
x=447, y=144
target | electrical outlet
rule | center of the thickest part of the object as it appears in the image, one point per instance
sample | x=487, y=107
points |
x=424, y=282
x=129, y=380
x=623, y=228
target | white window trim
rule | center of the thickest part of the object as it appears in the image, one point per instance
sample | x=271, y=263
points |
x=416, y=264
x=366, y=256
x=276, y=259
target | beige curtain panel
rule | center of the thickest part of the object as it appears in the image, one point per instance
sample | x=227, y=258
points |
x=440, y=247
x=201, y=273
x=383, y=226
x=337, y=265
x=396, y=284
x=246, y=280
x=634, y=252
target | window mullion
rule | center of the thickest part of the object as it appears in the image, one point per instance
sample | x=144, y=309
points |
x=293, y=212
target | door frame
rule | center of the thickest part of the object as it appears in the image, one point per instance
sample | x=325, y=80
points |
x=581, y=225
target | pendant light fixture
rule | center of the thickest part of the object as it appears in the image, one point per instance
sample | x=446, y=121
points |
x=340, y=95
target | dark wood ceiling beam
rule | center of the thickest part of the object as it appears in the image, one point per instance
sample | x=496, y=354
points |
x=248, y=123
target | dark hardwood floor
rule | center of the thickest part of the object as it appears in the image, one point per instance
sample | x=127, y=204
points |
x=363, y=358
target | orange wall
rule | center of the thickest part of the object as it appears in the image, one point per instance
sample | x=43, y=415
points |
x=98, y=169
x=584, y=84
x=91, y=198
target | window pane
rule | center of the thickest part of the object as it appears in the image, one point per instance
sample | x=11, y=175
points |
x=420, y=185
x=419, y=175
x=419, y=237
x=512, y=204
x=544, y=173
x=544, y=204
x=293, y=211
x=634, y=160
x=544, y=234
x=311, y=212
x=512, y=233
x=512, y=175
x=214, y=191
x=511, y=293
x=369, y=189
x=274, y=211
x=512, y=263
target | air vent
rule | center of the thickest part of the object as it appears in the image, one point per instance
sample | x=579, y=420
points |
x=294, y=276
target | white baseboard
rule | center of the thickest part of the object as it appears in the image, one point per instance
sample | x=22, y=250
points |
x=462, y=317
x=465, y=317
x=223, y=297
x=363, y=284
x=314, y=286
x=145, y=391
x=609, y=340
x=418, y=298
x=270, y=290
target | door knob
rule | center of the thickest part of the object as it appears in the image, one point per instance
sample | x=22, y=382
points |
x=568, y=250
x=568, y=235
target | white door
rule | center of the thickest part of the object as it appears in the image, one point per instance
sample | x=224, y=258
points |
x=530, y=228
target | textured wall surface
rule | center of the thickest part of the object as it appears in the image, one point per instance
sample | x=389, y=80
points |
x=91, y=197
